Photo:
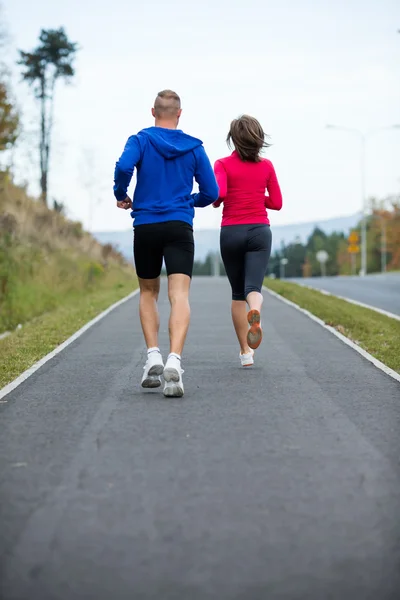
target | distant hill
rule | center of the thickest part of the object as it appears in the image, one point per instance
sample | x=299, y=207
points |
x=207, y=240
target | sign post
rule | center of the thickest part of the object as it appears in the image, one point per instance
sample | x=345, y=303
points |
x=283, y=263
x=215, y=264
x=322, y=257
x=353, y=249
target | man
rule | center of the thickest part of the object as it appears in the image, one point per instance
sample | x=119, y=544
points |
x=167, y=161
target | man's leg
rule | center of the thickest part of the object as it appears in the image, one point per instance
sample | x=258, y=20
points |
x=178, y=294
x=148, y=261
x=148, y=310
x=179, y=257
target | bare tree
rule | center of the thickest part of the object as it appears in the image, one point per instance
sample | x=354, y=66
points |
x=50, y=61
x=9, y=117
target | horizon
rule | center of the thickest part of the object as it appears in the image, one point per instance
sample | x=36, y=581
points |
x=299, y=223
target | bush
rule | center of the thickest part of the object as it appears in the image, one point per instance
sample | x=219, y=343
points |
x=94, y=272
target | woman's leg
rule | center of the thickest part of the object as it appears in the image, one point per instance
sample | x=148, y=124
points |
x=256, y=262
x=239, y=318
x=232, y=242
x=255, y=300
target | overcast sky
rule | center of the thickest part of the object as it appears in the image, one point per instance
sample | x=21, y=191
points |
x=296, y=65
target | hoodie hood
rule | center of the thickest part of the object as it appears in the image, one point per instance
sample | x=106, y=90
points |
x=170, y=143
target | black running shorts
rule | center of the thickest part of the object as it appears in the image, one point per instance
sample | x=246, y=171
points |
x=171, y=241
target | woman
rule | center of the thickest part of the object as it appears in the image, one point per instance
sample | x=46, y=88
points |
x=243, y=178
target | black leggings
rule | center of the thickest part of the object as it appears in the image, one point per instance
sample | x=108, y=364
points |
x=245, y=251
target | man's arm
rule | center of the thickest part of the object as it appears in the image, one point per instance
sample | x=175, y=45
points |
x=124, y=168
x=204, y=176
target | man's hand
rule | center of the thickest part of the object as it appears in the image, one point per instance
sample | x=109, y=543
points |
x=124, y=204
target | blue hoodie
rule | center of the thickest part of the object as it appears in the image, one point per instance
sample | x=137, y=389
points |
x=167, y=161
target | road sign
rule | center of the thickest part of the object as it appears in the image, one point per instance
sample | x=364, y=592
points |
x=322, y=256
x=283, y=263
x=353, y=238
x=352, y=249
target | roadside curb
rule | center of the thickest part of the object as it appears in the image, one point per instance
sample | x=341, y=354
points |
x=351, y=301
x=377, y=363
x=26, y=374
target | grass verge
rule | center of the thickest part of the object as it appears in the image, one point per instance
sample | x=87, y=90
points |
x=377, y=334
x=23, y=348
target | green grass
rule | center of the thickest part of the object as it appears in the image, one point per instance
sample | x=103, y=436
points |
x=34, y=281
x=23, y=348
x=377, y=334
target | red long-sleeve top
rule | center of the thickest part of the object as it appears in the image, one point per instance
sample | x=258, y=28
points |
x=242, y=186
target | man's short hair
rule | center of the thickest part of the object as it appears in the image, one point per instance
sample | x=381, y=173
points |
x=167, y=104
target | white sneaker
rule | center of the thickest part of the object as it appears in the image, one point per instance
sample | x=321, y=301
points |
x=153, y=369
x=173, y=387
x=151, y=381
x=247, y=359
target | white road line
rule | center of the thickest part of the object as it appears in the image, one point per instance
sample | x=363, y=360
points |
x=377, y=363
x=24, y=376
x=356, y=302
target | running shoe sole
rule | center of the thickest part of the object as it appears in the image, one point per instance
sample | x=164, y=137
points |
x=173, y=391
x=151, y=381
x=254, y=335
x=156, y=370
x=171, y=374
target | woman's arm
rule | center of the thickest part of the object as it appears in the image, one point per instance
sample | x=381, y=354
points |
x=222, y=181
x=274, y=200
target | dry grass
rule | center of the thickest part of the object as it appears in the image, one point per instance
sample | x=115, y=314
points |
x=35, y=223
x=46, y=260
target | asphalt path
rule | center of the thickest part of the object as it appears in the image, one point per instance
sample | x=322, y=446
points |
x=275, y=482
x=379, y=291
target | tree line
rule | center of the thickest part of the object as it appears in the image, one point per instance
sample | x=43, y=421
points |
x=383, y=248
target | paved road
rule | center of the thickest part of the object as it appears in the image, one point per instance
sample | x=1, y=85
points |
x=380, y=291
x=278, y=482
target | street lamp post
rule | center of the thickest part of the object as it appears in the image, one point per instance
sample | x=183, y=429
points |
x=364, y=207
x=363, y=137
x=215, y=264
